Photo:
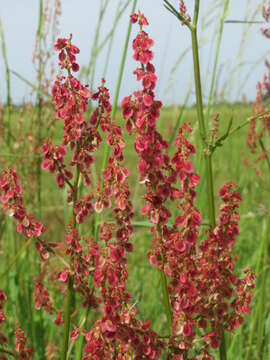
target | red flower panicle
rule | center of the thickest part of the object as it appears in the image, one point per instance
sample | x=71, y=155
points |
x=183, y=11
x=117, y=332
x=118, y=328
x=42, y=297
x=23, y=352
x=260, y=125
x=3, y=299
x=266, y=16
x=12, y=202
x=204, y=292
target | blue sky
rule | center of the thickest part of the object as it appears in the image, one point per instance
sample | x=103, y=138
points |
x=238, y=72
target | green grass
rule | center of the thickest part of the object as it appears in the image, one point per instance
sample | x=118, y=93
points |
x=144, y=281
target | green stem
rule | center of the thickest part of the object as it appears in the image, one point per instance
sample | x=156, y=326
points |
x=7, y=76
x=39, y=104
x=258, y=325
x=255, y=316
x=262, y=293
x=207, y=154
x=214, y=72
x=94, y=52
x=164, y=286
x=199, y=105
x=70, y=290
x=80, y=343
x=14, y=260
x=33, y=86
x=266, y=155
x=178, y=121
x=118, y=86
x=67, y=316
x=110, y=36
x=166, y=300
x=252, y=334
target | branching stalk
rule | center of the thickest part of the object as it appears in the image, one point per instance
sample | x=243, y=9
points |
x=166, y=300
x=70, y=290
x=199, y=102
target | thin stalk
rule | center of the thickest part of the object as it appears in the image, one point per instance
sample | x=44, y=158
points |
x=214, y=72
x=258, y=325
x=117, y=17
x=14, y=260
x=118, y=86
x=70, y=290
x=39, y=104
x=8, y=352
x=92, y=63
x=80, y=341
x=266, y=155
x=262, y=300
x=259, y=269
x=111, y=41
x=252, y=334
x=7, y=76
x=33, y=86
x=207, y=154
x=67, y=316
x=178, y=121
x=166, y=300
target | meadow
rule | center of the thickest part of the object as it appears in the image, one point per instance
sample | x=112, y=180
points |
x=23, y=130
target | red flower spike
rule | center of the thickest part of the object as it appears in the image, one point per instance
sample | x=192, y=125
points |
x=23, y=352
x=209, y=282
x=261, y=125
x=183, y=11
x=42, y=297
x=12, y=202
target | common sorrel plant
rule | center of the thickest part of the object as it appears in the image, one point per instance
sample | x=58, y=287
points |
x=160, y=174
x=202, y=294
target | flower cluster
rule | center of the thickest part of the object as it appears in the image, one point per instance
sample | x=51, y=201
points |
x=54, y=162
x=260, y=125
x=183, y=11
x=226, y=297
x=67, y=54
x=42, y=297
x=71, y=100
x=80, y=253
x=266, y=16
x=117, y=332
x=3, y=299
x=12, y=202
x=23, y=352
x=203, y=290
